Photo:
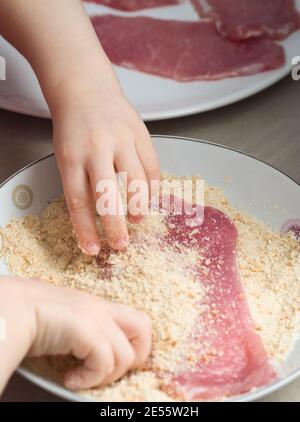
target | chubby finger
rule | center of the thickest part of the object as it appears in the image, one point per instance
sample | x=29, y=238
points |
x=81, y=208
x=128, y=162
x=148, y=157
x=124, y=354
x=108, y=201
x=99, y=363
x=137, y=326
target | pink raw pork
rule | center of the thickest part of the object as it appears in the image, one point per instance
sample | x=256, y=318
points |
x=183, y=51
x=132, y=5
x=240, y=19
x=231, y=358
x=292, y=226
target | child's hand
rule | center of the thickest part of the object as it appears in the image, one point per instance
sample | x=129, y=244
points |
x=110, y=339
x=96, y=133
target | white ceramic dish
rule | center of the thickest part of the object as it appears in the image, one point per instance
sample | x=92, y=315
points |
x=249, y=184
x=153, y=97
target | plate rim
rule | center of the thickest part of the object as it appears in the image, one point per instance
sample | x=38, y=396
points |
x=33, y=106
x=223, y=102
x=62, y=392
x=178, y=112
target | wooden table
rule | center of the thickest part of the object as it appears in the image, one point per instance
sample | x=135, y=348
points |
x=267, y=126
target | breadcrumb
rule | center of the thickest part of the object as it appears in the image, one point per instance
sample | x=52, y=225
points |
x=160, y=281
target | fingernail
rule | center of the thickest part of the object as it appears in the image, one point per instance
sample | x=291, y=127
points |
x=136, y=219
x=91, y=248
x=120, y=243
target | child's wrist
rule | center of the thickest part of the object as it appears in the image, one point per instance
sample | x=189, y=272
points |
x=17, y=309
x=94, y=74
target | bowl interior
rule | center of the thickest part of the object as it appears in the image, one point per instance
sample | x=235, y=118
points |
x=248, y=183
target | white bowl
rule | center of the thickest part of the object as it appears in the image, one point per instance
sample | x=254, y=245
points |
x=248, y=183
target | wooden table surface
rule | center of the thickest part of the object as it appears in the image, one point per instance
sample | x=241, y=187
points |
x=267, y=126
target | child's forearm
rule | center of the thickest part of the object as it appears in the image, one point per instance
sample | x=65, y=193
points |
x=59, y=41
x=96, y=132
x=17, y=327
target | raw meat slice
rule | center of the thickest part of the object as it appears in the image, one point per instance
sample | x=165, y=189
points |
x=231, y=357
x=240, y=19
x=183, y=51
x=132, y=5
x=292, y=226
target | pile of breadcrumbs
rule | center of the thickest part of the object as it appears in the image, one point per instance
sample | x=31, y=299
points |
x=161, y=283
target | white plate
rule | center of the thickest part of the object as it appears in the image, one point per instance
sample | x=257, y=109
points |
x=153, y=97
x=248, y=183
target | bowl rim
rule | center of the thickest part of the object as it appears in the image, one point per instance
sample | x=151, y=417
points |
x=179, y=138
x=60, y=391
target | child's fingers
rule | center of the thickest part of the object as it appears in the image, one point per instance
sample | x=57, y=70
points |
x=81, y=208
x=109, y=207
x=123, y=352
x=138, y=328
x=127, y=161
x=99, y=363
x=147, y=155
